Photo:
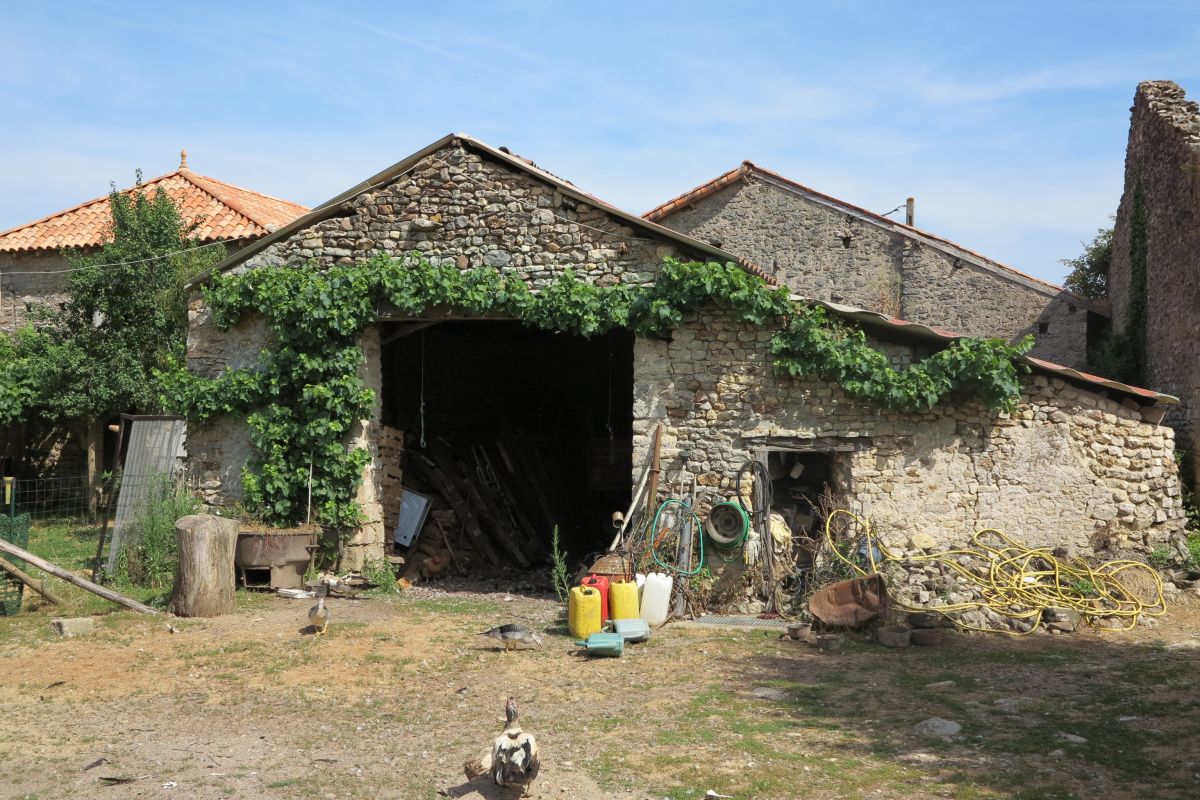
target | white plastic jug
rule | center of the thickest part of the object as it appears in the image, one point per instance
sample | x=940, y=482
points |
x=656, y=598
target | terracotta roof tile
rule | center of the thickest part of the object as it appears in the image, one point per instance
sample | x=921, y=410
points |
x=223, y=210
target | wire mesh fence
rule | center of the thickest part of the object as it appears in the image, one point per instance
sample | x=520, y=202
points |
x=62, y=516
x=71, y=500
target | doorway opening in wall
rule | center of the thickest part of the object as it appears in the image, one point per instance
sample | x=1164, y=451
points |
x=808, y=480
x=493, y=435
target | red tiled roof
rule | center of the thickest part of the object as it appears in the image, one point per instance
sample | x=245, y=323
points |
x=663, y=211
x=224, y=211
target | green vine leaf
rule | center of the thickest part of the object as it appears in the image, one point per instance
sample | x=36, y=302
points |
x=304, y=398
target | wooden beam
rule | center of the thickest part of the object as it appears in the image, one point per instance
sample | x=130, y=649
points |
x=71, y=578
x=655, y=470
x=407, y=329
x=36, y=585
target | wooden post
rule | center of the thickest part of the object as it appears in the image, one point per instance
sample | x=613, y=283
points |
x=204, y=578
x=71, y=578
x=655, y=469
x=93, y=437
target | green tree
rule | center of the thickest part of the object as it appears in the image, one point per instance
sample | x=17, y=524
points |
x=125, y=318
x=1089, y=270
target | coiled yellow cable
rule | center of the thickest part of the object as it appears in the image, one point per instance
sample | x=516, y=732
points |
x=1020, y=582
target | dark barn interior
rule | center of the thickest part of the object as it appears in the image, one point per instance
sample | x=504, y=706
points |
x=510, y=432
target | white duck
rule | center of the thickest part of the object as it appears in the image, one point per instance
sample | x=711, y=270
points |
x=513, y=760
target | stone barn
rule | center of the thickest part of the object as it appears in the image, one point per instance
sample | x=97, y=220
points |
x=829, y=249
x=1083, y=463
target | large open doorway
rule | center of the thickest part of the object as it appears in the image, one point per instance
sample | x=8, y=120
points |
x=507, y=433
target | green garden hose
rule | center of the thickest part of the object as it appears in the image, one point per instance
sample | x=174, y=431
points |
x=654, y=535
x=728, y=539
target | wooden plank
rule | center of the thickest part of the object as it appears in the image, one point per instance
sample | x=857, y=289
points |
x=479, y=507
x=82, y=583
x=449, y=489
x=509, y=488
x=525, y=477
x=655, y=471
x=493, y=493
x=32, y=583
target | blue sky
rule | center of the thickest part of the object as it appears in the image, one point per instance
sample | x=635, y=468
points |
x=1006, y=121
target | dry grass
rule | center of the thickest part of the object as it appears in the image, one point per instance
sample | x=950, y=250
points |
x=401, y=691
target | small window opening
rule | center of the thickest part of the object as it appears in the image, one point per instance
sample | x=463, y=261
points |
x=1043, y=327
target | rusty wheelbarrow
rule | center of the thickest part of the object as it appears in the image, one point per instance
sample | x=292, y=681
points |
x=851, y=603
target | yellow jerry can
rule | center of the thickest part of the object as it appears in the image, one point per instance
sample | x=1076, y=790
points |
x=583, y=612
x=623, y=600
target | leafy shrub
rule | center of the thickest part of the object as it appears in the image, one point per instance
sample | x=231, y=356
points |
x=379, y=572
x=149, y=553
x=1160, y=558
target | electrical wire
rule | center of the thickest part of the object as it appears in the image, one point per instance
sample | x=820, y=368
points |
x=118, y=263
x=1018, y=582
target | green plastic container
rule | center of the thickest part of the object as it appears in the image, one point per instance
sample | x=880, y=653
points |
x=16, y=531
x=604, y=644
x=631, y=630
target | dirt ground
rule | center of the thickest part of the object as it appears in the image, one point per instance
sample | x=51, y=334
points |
x=400, y=692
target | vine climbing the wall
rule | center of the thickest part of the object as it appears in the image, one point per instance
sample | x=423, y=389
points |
x=302, y=400
x=1135, y=320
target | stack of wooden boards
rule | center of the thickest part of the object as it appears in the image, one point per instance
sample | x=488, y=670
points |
x=494, y=503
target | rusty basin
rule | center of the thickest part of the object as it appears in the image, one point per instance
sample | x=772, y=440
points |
x=275, y=559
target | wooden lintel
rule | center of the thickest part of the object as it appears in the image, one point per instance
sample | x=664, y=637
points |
x=406, y=329
x=830, y=444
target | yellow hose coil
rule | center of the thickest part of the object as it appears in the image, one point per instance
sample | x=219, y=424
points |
x=1019, y=582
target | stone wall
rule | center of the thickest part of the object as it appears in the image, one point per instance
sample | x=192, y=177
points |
x=29, y=279
x=1069, y=468
x=828, y=254
x=1163, y=160
x=454, y=206
x=457, y=206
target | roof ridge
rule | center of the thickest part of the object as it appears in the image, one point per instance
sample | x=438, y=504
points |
x=237, y=188
x=903, y=226
x=85, y=204
x=202, y=183
x=721, y=181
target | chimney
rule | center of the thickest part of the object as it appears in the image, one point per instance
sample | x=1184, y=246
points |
x=908, y=211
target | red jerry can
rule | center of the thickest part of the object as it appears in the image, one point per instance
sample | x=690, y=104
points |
x=600, y=584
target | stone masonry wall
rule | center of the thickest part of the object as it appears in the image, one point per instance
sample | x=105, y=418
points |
x=457, y=206
x=454, y=206
x=1163, y=159
x=1068, y=469
x=827, y=254
x=28, y=279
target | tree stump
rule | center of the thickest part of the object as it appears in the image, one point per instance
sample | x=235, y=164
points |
x=204, y=578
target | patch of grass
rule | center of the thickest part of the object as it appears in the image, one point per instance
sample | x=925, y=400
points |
x=453, y=605
x=69, y=545
x=148, y=555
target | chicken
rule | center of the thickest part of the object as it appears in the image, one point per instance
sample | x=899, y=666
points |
x=318, y=616
x=513, y=760
x=513, y=634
